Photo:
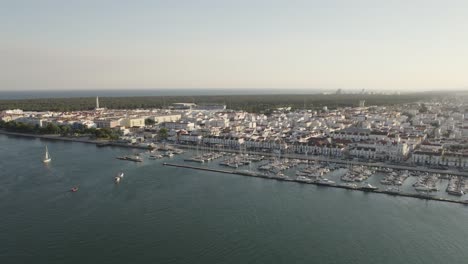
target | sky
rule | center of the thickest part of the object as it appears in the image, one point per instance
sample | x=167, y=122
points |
x=116, y=44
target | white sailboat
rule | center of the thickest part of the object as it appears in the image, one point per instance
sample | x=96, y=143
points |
x=47, y=158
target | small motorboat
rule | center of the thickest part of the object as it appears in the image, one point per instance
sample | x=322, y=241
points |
x=118, y=177
x=74, y=189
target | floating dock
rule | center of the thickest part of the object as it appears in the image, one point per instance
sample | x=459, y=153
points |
x=334, y=185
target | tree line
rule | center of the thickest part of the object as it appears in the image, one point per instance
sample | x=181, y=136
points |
x=250, y=103
x=64, y=130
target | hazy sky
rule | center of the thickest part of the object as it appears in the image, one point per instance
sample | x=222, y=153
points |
x=371, y=44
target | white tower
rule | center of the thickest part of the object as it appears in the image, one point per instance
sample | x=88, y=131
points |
x=362, y=103
x=97, y=102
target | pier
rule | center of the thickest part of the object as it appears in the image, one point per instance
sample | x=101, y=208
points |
x=334, y=185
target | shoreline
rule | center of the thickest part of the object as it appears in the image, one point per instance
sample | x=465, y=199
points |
x=106, y=143
x=98, y=143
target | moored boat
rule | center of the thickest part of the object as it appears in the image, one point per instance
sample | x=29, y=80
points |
x=368, y=187
x=131, y=158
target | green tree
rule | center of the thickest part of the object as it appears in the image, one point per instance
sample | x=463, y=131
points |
x=52, y=129
x=163, y=133
x=66, y=130
x=149, y=122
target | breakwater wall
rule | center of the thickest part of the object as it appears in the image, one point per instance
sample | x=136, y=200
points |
x=332, y=185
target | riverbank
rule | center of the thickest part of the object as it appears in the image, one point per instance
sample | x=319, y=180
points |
x=333, y=185
x=53, y=137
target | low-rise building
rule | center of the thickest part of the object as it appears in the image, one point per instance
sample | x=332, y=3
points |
x=107, y=123
x=132, y=122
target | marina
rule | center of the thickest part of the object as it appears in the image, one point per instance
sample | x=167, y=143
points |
x=351, y=176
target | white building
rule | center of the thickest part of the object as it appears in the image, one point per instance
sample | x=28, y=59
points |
x=189, y=126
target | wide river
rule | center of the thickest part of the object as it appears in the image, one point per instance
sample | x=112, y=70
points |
x=163, y=214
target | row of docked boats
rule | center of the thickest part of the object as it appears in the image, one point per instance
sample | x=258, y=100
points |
x=241, y=160
x=456, y=186
x=395, y=178
x=276, y=165
x=206, y=157
x=157, y=155
x=153, y=155
x=326, y=182
x=357, y=174
x=312, y=172
x=426, y=183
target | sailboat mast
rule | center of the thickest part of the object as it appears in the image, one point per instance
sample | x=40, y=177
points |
x=46, y=156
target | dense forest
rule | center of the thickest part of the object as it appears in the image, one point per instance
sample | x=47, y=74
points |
x=250, y=103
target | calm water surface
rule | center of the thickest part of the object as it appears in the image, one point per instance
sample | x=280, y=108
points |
x=173, y=215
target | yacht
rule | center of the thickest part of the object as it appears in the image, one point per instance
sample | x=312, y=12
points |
x=156, y=156
x=456, y=192
x=178, y=151
x=350, y=185
x=368, y=187
x=303, y=179
x=169, y=154
x=392, y=190
x=131, y=158
x=198, y=159
x=423, y=188
x=324, y=181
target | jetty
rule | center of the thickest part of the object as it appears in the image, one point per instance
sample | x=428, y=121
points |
x=333, y=185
